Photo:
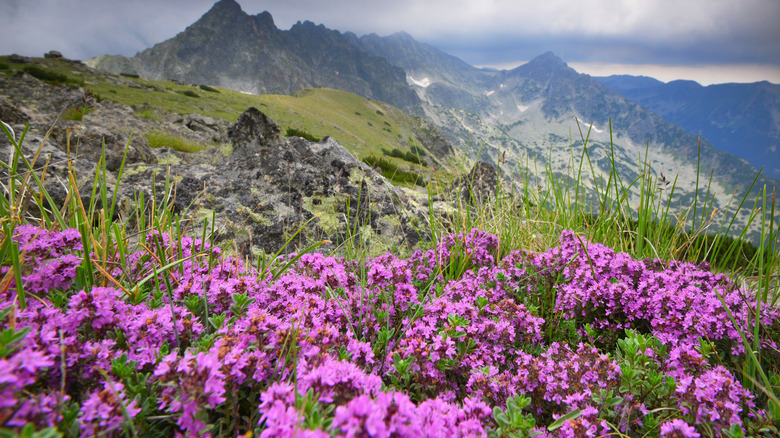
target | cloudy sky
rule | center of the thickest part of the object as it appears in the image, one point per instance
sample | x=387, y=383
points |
x=710, y=41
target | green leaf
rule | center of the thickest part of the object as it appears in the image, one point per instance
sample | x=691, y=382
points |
x=559, y=422
x=615, y=401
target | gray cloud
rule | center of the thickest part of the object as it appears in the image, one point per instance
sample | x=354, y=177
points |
x=480, y=31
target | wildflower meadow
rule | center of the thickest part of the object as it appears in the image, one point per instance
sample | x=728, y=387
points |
x=158, y=332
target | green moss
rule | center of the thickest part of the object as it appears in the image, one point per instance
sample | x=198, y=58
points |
x=75, y=114
x=201, y=214
x=257, y=218
x=376, y=244
x=159, y=139
x=329, y=219
x=135, y=170
x=224, y=150
x=170, y=160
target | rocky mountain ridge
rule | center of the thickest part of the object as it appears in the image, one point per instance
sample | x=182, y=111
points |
x=228, y=48
x=535, y=113
x=743, y=119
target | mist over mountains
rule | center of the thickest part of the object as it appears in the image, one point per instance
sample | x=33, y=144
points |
x=530, y=117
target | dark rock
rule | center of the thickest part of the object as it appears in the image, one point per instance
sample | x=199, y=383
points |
x=479, y=185
x=208, y=126
x=252, y=130
x=53, y=54
x=11, y=113
x=432, y=139
x=18, y=59
x=87, y=142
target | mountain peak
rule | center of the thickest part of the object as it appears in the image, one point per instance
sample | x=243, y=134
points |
x=547, y=60
x=226, y=6
x=544, y=67
x=223, y=11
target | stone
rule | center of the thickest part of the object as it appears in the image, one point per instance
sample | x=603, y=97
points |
x=479, y=185
x=11, y=113
x=53, y=54
x=252, y=130
x=87, y=142
x=18, y=59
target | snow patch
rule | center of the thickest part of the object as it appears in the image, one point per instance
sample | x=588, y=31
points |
x=424, y=82
x=523, y=108
x=595, y=129
x=246, y=92
x=490, y=93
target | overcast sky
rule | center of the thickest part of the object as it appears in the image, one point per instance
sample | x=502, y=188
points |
x=710, y=41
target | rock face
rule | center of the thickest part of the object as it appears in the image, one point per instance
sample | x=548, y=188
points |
x=477, y=186
x=227, y=47
x=261, y=187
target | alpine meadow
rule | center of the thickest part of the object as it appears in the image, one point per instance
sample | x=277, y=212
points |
x=244, y=231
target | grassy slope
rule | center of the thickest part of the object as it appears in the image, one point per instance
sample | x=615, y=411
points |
x=363, y=126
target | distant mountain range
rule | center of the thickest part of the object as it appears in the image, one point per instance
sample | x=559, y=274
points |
x=743, y=119
x=527, y=116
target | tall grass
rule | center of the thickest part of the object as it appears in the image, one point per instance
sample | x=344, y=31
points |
x=635, y=216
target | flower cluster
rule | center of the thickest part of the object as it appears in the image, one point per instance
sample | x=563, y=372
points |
x=436, y=344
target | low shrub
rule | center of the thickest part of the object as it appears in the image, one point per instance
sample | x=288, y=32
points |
x=159, y=139
x=189, y=93
x=4, y=66
x=209, y=89
x=130, y=75
x=418, y=150
x=45, y=75
x=406, y=156
x=393, y=173
x=295, y=132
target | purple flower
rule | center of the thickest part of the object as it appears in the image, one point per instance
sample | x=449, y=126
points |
x=678, y=429
x=102, y=412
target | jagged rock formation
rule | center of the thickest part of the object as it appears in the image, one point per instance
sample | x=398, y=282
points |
x=262, y=186
x=477, y=186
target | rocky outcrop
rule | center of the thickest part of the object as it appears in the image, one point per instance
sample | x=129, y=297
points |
x=432, y=139
x=477, y=186
x=261, y=187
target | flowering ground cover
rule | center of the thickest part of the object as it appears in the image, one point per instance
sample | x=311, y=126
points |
x=449, y=342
